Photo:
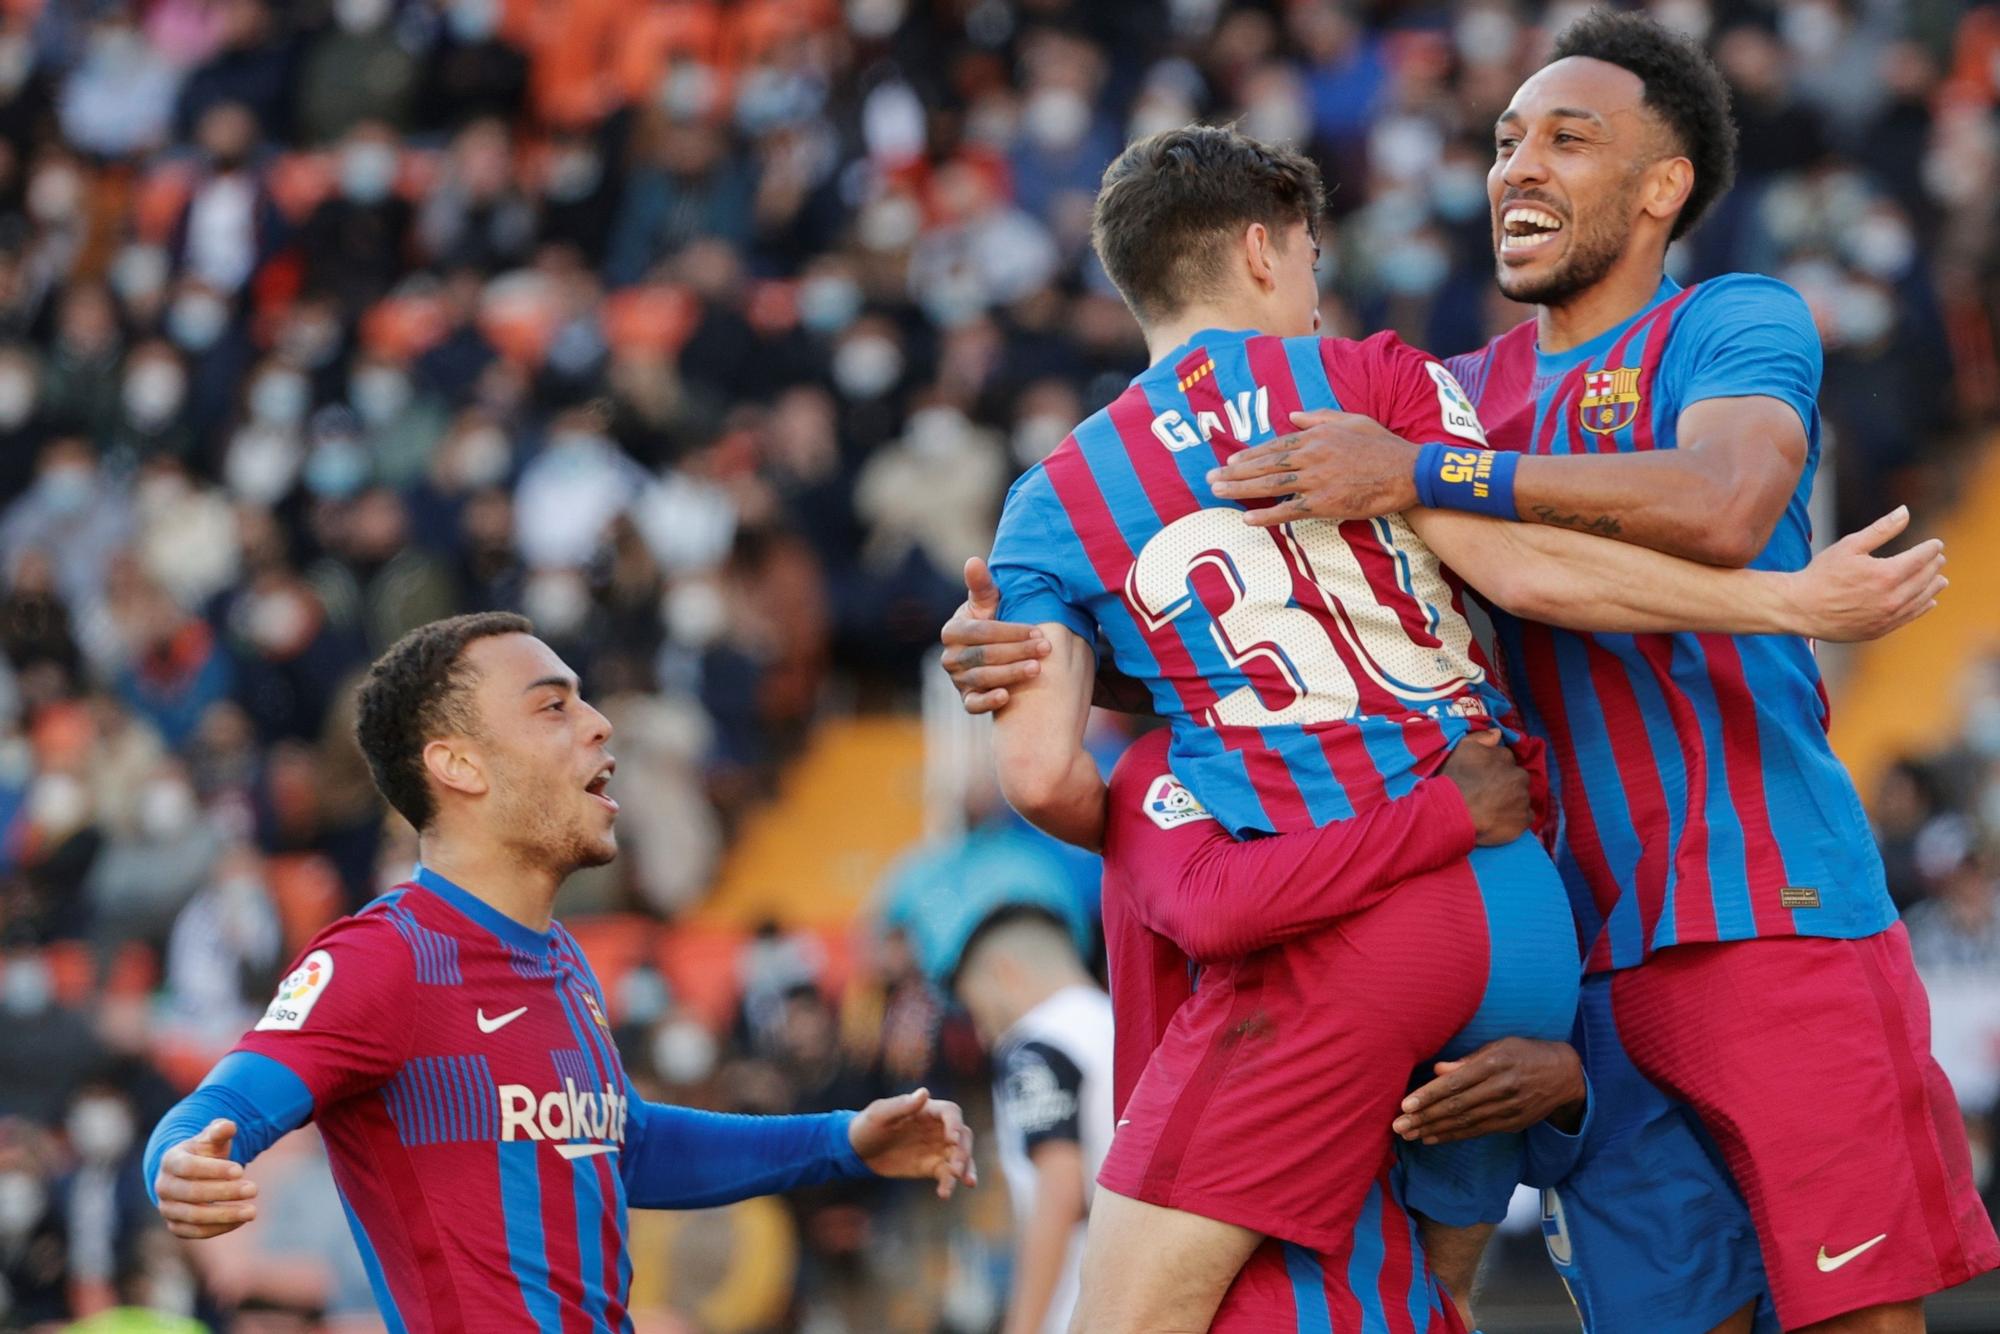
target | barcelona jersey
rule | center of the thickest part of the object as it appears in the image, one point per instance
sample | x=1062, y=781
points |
x=1310, y=671
x=1699, y=797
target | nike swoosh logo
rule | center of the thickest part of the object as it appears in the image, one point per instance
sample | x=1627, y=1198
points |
x=498, y=1021
x=1829, y=1263
x=584, y=1150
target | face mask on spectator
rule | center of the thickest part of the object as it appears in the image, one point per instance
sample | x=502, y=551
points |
x=1035, y=438
x=867, y=367
x=280, y=398
x=1485, y=36
x=556, y=601
x=336, y=468
x=140, y=273
x=197, y=320
x=483, y=458
x=1056, y=118
x=166, y=809
x=262, y=464
x=1280, y=118
x=17, y=395
x=1811, y=29
x=573, y=174
x=99, y=1129
x=1881, y=245
x=874, y=19
x=22, y=1200
x=1982, y=731
x=696, y=614
x=379, y=393
x=277, y=621
x=55, y=194
x=153, y=392
x=683, y=1052
x=360, y=15
x=67, y=489
x=1862, y=314
x=17, y=61
x=1688, y=17
x=1458, y=193
x=25, y=986
x=1413, y=267
x=367, y=172
x=829, y=303
x=473, y=20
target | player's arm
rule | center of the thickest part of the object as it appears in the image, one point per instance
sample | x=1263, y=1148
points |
x=1045, y=1239
x=1042, y=1089
x=985, y=657
x=338, y=1027
x=1747, y=369
x=1513, y=1084
x=681, y=1158
x=1591, y=583
x=1217, y=898
x=1045, y=772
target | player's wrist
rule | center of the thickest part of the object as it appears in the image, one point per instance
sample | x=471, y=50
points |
x=1459, y=477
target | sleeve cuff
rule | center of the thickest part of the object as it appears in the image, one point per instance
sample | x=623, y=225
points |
x=840, y=1146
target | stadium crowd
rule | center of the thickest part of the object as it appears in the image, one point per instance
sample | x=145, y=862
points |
x=709, y=335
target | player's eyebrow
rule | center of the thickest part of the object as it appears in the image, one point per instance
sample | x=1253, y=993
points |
x=1554, y=113
x=567, y=684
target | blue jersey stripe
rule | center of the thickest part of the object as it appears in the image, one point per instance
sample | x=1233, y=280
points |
x=1309, y=375
x=1391, y=753
x=527, y=1254
x=590, y=1239
x=1364, y=1267
x=1672, y=765
x=1726, y=881
x=1423, y=1283
x=1608, y=807
x=1308, y=1290
x=1326, y=799
x=371, y=1264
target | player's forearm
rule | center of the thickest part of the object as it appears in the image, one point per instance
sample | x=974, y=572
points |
x=1044, y=1247
x=1589, y=583
x=1045, y=773
x=1234, y=898
x=1065, y=803
x=264, y=1098
x=681, y=1158
x=1665, y=500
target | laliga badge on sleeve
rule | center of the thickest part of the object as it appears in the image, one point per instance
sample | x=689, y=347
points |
x=298, y=993
x=1169, y=805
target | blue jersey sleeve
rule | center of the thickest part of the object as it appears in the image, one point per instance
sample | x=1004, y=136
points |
x=1746, y=336
x=261, y=1095
x=680, y=1158
x=1028, y=555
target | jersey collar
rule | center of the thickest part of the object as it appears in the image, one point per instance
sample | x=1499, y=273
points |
x=484, y=914
x=1557, y=363
x=1204, y=338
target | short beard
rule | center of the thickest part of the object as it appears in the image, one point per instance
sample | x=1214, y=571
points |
x=1597, y=250
x=539, y=835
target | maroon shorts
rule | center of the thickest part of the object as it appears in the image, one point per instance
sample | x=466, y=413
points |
x=1809, y=1062
x=1269, y=1100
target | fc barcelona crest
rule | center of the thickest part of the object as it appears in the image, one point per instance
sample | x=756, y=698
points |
x=1610, y=400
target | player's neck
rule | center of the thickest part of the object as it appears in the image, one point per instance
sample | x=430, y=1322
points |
x=1163, y=337
x=1622, y=293
x=494, y=876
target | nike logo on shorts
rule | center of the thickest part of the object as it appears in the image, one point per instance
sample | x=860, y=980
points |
x=1829, y=1263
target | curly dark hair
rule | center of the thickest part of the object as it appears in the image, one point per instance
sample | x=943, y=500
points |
x=415, y=693
x=1683, y=88
x=1171, y=202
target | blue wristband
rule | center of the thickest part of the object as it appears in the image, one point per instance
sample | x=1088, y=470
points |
x=1454, y=477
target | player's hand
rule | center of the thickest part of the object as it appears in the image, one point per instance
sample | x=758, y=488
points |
x=1506, y=1085
x=915, y=1135
x=1341, y=465
x=983, y=654
x=1495, y=788
x=202, y=1193
x=1848, y=593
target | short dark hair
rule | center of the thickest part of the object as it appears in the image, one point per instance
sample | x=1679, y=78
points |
x=1171, y=202
x=415, y=693
x=1683, y=87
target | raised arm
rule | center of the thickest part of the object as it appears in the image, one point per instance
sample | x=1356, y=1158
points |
x=1045, y=773
x=1217, y=898
x=1590, y=583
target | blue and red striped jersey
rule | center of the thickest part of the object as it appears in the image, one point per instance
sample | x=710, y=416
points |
x=473, y=1106
x=1310, y=671
x=1699, y=798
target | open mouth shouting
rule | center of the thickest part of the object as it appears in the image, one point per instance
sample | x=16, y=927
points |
x=1527, y=229
x=598, y=782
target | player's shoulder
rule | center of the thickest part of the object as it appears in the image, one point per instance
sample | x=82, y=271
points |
x=364, y=954
x=1382, y=349
x=1747, y=298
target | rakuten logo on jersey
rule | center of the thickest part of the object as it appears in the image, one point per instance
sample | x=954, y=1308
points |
x=567, y=1115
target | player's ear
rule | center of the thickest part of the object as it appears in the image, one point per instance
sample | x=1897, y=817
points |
x=453, y=764
x=1668, y=184
x=1260, y=256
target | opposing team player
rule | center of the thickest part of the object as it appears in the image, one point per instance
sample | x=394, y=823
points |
x=1311, y=673
x=1715, y=850
x=451, y=1042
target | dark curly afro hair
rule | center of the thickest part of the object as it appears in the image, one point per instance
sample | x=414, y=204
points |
x=415, y=693
x=1683, y=88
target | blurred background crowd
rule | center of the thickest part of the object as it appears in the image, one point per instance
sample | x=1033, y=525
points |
x=709, y=335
